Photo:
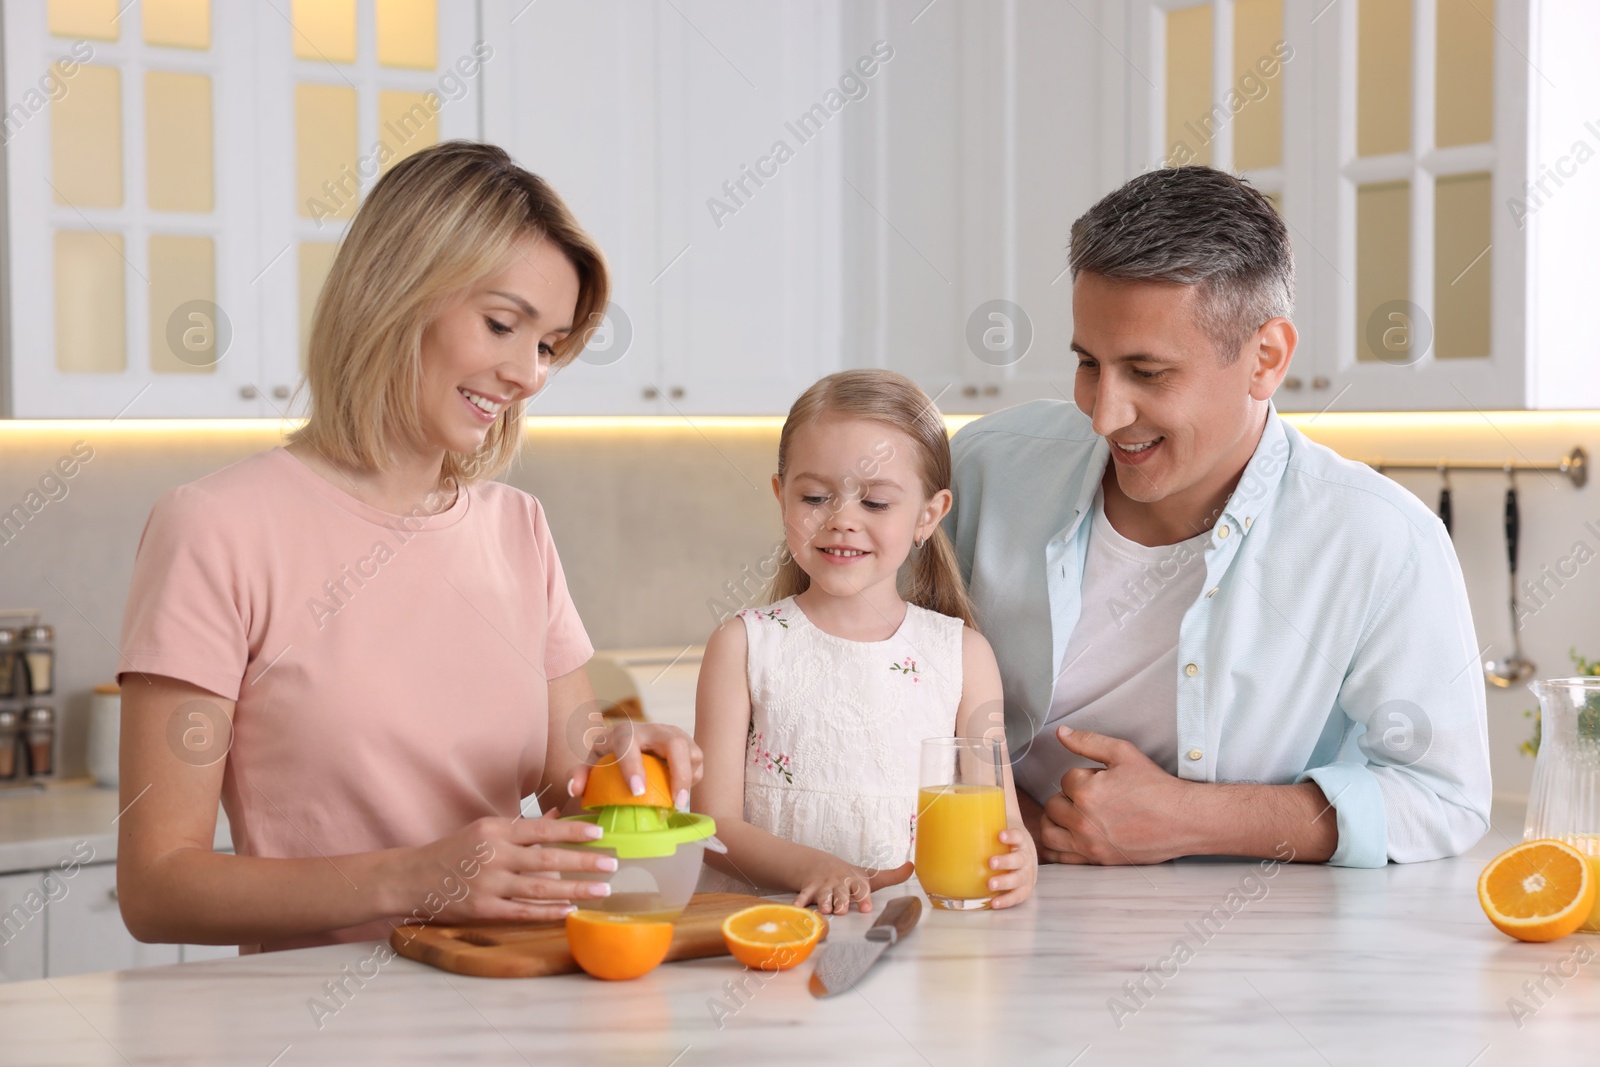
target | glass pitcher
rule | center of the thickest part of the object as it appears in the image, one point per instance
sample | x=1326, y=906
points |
x=1564, y=802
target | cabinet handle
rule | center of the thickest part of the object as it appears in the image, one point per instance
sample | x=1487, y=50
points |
x=649, y=392
x=1291, y=383
x=969, y=390
x=112, y=893
x=281, y=392
x=677, y=392
x=1320, y=382
x=248, y=392
x=991, y=390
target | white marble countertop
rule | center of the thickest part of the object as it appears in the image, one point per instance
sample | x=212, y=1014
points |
x=41, y=828
x=1317, y=966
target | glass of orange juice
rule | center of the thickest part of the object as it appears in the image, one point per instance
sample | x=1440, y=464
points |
x=961, y=809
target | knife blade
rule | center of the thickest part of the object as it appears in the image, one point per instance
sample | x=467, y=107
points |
x=844, y=964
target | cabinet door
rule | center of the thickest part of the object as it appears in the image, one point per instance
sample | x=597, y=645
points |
x=660, y=124
x=571, y=94
x=753, y=100
x=22, y=908
x=130, y=211
x=86, y=933
x=994, y=126
x=342, y=96
x=1423, y=114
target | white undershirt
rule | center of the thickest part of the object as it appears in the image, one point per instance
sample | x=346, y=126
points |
x=1118, y=675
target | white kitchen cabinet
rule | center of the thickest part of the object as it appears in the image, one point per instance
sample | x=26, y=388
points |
x=1404, y=241
x=163, y=254
x=22, y=920
x=995, y=125
x=653, y=120
x=86, y=933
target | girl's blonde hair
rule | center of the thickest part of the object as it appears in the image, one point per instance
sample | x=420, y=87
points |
x=438, y=222
x=897, y=402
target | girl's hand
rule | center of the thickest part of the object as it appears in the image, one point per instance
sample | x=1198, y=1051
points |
x=626, y=739
x=499, y=870
x=1021, y=867
x=835, y=885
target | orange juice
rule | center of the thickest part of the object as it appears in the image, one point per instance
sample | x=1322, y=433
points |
x=958, y=829
x=1589, y=845
x=1592, y=923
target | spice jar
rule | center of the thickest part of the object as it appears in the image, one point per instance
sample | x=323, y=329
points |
x=40, y=727
x=38, y=660
x=9, y=652
x=10, y=730
x=105, y=716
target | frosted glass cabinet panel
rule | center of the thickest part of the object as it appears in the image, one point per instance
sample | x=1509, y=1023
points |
x=1188, y=73
x=1465, y=65
x=178, y=144
x=1258, y=75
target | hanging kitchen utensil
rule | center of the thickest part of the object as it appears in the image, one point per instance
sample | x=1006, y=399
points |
x=1516, y=668
x=1446, y=512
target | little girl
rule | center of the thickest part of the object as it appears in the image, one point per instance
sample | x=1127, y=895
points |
x=811, y=711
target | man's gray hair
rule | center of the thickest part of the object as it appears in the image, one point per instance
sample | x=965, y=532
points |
x=1194, y=226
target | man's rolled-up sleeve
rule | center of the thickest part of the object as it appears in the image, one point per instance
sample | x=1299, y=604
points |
x=1414, y=785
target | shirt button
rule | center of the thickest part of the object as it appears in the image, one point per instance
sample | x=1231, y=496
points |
x=1213, y=590
x=1195, y=754
x=1223, y=531
x=1191, y=670
x=1247, y=521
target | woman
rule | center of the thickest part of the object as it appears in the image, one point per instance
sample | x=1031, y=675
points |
x=359, y=642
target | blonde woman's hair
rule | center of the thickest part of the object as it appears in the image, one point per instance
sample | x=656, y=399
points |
x=438, y=222
x=882, y=396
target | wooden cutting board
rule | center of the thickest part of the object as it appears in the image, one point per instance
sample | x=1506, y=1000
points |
x=533, y=950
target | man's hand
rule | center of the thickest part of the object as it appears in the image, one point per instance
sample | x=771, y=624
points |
x=1130, y=812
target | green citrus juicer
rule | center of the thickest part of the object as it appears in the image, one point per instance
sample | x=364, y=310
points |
x=658, y=849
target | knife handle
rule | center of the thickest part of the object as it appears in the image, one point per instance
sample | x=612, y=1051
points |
x=897, y=920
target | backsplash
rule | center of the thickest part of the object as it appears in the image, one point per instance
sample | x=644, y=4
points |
x=664, y=525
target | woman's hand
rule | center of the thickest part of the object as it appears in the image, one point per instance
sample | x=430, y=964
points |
x=500, y=870
x=625, y=739
x=1021, y=867
x=834, y=885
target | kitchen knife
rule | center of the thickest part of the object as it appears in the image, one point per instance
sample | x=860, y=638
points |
x=845, y=963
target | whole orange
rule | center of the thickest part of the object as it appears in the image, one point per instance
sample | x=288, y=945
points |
x=615, y=947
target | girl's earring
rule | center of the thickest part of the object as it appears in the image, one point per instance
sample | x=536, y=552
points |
x=918, y=542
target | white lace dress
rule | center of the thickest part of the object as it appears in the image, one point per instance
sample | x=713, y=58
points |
x=836, y=731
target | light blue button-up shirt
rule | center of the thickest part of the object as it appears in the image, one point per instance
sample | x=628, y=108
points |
x=1332, y=641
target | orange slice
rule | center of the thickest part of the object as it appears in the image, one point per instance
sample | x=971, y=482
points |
x=606, y=787
x=773, y=937
x=1538, y=890
x=615, y=947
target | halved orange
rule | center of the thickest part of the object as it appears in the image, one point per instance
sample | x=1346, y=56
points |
x=773, y=937
x=1538, y=890
x=606, y=787
x=615, y=947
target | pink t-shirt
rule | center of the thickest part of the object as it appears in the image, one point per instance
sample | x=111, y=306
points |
x=390, y=672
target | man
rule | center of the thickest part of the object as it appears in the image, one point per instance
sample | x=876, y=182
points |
x=1217, y=637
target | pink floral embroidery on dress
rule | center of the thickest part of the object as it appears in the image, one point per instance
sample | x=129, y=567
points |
x=771, y=616
x=907, y=666
x=775, y=763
